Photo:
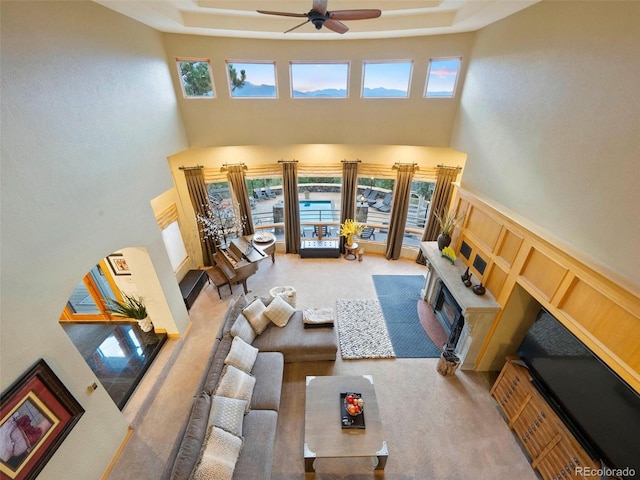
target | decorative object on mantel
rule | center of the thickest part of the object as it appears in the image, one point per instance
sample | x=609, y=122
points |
x=131, y=306
x=447, y=224
x=449, y=254
x=466, y=276
x=349, y=229
x=479, y=289
x=467, y=282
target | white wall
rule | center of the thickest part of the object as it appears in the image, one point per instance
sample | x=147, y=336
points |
x=88, y=119
x=550, y=120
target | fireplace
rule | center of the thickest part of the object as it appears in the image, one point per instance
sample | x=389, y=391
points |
x=450, y=316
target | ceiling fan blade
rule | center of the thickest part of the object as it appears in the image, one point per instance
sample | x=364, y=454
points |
x=283, y=14
x=297, y=26
x=320, y=6
x=362, y=14
x=336, y=26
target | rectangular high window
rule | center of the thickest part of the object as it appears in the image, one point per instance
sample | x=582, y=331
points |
x=319, y=80
x=442, y=77
x=386, y=79
x=252, y=80
x=195, y=78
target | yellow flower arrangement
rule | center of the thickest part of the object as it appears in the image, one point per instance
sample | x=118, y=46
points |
x=449, y=254
x=351, y=227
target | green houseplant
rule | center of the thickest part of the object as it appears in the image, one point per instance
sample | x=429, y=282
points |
x=131, y=306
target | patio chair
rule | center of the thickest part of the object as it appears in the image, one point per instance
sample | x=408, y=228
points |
x=269, y=193
x=385, y=201
x=260, y=194
x=371, y=198
x=325, y=231
x=368, y=233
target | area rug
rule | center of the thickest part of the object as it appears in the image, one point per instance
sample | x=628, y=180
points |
x=398, y=296
x=362, y=331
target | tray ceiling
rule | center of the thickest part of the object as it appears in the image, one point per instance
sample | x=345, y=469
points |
x=238, y=18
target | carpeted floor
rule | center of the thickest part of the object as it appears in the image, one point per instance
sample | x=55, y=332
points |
x=399, y=296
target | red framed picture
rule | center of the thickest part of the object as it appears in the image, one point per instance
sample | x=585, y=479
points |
x=36, y=414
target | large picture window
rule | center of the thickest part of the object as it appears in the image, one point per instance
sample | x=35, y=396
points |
x=252, y=80
x=386, y=79
x=442, y=77
x=319, y=80
x=195, y=78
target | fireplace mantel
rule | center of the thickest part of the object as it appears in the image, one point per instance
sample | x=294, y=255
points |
x=479, y=311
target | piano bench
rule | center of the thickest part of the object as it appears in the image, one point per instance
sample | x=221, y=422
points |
x=216, y=276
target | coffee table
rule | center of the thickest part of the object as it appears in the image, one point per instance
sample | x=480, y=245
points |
x=324, y=436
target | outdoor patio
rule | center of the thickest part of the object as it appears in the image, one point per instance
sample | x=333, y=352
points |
x=268, y=213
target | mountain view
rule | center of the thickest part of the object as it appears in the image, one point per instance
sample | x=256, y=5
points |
x=269, y=91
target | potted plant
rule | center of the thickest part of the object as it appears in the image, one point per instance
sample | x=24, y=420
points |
x=447, y=224
x=131, y=306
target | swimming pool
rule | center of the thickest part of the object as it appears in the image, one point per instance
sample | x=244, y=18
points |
x=316, y=211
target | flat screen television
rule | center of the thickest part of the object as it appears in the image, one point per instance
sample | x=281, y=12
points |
x=600, y=408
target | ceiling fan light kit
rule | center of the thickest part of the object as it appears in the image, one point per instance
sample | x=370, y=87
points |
x=319, y=16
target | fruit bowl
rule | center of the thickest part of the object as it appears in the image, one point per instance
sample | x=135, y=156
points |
x=353, y=404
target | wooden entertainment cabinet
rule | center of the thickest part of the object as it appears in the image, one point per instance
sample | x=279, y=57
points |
x=552, y=448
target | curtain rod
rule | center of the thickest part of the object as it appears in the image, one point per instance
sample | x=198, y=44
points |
x=448, y=166
x=398, y=164
x=225, y=166
x=288, y=161
x=350, y=161
x=191, y=168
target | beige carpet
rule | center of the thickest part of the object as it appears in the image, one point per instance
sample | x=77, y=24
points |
x=437, y=428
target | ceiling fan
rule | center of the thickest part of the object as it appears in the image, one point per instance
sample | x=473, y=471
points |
x=319, y=16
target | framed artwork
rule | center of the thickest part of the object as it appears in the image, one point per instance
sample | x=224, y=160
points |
x=37, y=412
x=118, y=264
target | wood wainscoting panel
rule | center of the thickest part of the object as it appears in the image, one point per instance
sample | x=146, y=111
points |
x=508, y=249
x=495, y=278
x=483, y=228
x=617, y=329
x=542, y=273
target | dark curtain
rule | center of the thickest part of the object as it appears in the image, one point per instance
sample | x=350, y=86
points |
x=200, y=201
x=291, y=207
x=349, y=191
x=236, y=179
x=445, y=176
x=399, y=210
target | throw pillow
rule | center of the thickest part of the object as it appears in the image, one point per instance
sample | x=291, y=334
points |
x=241, y=355
x=219, y=456
x=255, y=314
x=228, y=414
x=235, y=383
x=242, y=328
x=279, y=311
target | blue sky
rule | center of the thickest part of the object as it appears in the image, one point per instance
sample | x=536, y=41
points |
x=443, y=74
x=393, y=75
x=257, y=73
x=317, y=76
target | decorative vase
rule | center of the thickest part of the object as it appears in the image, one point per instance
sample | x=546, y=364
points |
x=145, y=324
x=444, y=240
x=479, y=289
x=349, y=240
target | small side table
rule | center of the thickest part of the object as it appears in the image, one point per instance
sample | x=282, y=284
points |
x=351, y=251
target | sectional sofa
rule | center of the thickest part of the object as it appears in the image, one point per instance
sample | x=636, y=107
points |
x=231, y=429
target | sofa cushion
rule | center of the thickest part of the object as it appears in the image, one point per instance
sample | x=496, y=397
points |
x=242, y=328
x=297, y=343
x=241, y=355
x=268, y=372
x=217, y=365
x=279, y=311
x=255, y=314
x=194, y=436
x=233, y=311
x=259, y=431
x=227, y=414
x=235, y=383
x=219, y=456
